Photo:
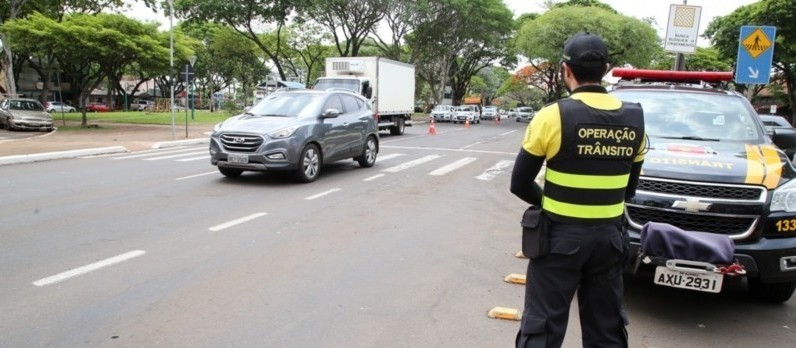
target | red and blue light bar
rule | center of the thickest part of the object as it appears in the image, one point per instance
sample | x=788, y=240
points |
x=672, y=75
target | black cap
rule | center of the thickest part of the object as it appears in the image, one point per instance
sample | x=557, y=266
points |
x=585, y=49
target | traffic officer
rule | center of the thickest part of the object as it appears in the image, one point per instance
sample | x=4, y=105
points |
x=593, y=144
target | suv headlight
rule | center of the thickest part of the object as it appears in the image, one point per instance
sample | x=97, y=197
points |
x=217, y=127
x=784, y=198
x=283, y=133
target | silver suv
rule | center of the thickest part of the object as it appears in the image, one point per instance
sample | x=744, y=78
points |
x=297, y=131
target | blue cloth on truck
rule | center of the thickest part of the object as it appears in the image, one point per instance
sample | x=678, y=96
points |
x=667, y=241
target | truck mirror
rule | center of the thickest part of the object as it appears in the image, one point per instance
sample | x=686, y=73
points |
x=784, y=138
x=369, y=92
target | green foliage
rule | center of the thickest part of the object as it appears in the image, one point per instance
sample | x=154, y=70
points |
x=704, y=59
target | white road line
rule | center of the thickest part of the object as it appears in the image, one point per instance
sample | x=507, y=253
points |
x=193, y=158
x=507, y=133
x=471, y=145
x=374, y=177
x=388, y=157
x=410, y=164
x=197, y=175
x=448, y=149
x=453, y=166
x=493, y=171
x=322, y=194
x=229, y=224
x=150, y=153
x=88, y=268
x=175, y=156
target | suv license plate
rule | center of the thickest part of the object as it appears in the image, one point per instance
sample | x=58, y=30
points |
x=238, y=158
x=708, y=282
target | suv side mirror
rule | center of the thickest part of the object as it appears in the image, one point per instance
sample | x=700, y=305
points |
x=331, y=113
x=784, y=138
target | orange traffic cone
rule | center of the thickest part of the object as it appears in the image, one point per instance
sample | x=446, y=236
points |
x=432, y=128
x=467, y=122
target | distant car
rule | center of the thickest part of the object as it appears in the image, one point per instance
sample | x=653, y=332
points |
x=524, y=114
x=97, y=107
x=298, y=131
x=490, y=113
x=56, y=106
x=142, y=105
x=467, y=113
x=23, y=113
x=442, y=113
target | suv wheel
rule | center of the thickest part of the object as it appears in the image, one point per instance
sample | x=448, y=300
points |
x=309, y=164
x=775, y=292
x=369, y=152
x=230, y=172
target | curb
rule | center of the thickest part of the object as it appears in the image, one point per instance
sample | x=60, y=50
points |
x=47, y=156
x=175, y=143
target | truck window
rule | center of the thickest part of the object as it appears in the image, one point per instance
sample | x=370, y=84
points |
x=347, y=84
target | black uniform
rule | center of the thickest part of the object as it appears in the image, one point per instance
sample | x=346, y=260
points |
x=592, y=143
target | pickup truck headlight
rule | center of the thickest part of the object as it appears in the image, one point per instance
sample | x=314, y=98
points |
x=784, y=198
x=283, y=133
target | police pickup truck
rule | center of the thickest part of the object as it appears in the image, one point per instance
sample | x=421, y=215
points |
x=711, y=167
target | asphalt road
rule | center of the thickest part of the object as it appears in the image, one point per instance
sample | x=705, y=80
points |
x=157, y=249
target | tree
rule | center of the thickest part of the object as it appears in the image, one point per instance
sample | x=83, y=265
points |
x=400, y=17
x=305, y=52
x=353, y=19
x=246, y=17
x=723, y=33
x=704, y=59
x=629, y=40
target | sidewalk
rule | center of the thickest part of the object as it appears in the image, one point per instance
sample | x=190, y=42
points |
x=102, y=139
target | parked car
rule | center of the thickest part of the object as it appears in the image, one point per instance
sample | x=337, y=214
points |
x=442, y=113
x=97, y=107
x=141, y=105
x=299, y=131
x=774, y=122
x=471, y=113
x=23, y=113
x=56, y=106
x=524, y=114
x=490, y=113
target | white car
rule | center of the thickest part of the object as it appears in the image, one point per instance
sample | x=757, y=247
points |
x=525, y=114
x=56, y=106
x=464, y=113
x=490, y=113
x=442, y=113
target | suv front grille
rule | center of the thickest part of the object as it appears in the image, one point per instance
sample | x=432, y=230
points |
x=701, y=190
x=241, y=142
x=728, y=225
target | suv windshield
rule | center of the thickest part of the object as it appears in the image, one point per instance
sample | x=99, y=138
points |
x=287, y=105
x=684, y=115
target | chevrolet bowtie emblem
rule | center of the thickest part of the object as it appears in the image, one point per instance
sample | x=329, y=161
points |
x=691, y=205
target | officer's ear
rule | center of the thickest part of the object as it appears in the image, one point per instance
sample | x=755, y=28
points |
x=607, y=69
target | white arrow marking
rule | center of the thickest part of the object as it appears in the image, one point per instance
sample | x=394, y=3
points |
x=753, y=73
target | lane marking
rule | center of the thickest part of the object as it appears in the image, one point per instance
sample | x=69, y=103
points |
x=175, y=156
x=410, y=164
x=388, y=157
x=196, y=175
x=452, y=150
x=453, y=166
x=229, y=224
x=471, y=145
x=146, y=153
x=88, y=268
x=322, y=194
x=194, y=158
x=493, y=171
x=507, y=133
x=374, y=177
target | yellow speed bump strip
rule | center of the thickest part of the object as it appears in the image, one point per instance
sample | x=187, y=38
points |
x=515, y=278
x=520, y=255
x=505, y=313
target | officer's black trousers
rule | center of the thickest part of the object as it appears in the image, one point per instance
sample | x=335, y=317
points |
x=583, y=258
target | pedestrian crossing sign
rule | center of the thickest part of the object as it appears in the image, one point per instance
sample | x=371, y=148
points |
x=756, y=43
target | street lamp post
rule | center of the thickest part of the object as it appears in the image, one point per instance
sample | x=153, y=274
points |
x=171, y=65
x=188, y=74
x=192, y=87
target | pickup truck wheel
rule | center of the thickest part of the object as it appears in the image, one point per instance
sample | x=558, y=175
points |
x=398, y=129
x=774, y=292
x=309, y=164
x=368, y=157
x=230, y=172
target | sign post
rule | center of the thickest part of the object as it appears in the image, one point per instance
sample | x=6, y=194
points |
x=683, y=29
x=755, y=53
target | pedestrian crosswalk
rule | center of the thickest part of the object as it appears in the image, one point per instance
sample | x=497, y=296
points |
x=434, y=164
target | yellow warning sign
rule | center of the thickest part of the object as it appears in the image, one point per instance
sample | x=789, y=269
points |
x=756, y=43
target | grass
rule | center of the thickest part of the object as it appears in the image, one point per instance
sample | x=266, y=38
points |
x=144, y=117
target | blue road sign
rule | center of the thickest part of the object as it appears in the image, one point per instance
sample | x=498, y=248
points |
x=755, y=52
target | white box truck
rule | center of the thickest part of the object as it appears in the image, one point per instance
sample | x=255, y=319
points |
x=388, y=84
